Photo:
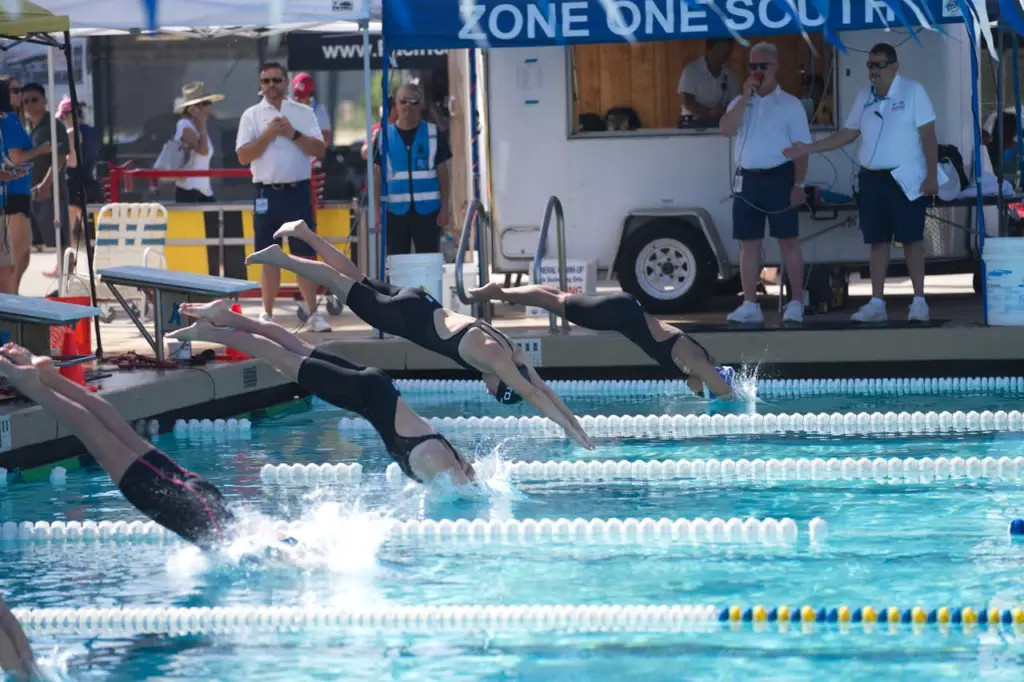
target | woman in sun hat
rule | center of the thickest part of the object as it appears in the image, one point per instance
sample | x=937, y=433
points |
x=194, y=109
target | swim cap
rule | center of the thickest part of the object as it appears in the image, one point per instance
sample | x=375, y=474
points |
x=303, y=85
x=728, y=374
x=505, y=395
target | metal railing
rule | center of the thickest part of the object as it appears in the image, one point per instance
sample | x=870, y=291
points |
x=554, y=207
x=475, y=215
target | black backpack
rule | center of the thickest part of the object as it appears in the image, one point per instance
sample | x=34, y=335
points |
x=950, y=154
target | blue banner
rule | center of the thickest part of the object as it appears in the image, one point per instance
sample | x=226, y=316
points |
x=450, y=24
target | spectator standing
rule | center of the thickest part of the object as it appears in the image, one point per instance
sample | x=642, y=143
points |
x=278, y=138
x=899, y=160
x=303, y=88
x=419, y=183
x=33, y=98
x=192, y=132
x=766, y=121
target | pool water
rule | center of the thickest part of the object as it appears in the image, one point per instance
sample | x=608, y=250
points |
x=938, y=544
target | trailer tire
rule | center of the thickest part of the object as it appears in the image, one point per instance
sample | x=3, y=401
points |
x=668, y=266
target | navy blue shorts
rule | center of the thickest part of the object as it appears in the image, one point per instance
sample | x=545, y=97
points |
x=284, y=204
x=885, y=211
x=768, y=191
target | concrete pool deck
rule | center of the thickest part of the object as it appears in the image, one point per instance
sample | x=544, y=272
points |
x=955, y=343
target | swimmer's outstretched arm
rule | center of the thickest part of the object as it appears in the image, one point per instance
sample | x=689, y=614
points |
x=558, y=403
x=506, y=370
x=16, y=657
x=298, y=229
x=539, y=295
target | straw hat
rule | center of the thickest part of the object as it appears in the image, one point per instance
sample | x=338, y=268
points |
x=194, y=93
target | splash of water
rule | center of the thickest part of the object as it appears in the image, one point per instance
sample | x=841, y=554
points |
x=53, y=666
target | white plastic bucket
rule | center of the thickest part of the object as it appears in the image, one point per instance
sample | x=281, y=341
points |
x=1004, y=281
x=450, y=298
x=423, y=270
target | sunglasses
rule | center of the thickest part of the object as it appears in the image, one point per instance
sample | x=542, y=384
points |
x=760, y=66
x=275, y=79
x=412, y=102
x=879, y=64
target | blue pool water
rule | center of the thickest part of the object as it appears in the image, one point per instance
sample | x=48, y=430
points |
x=937, y=544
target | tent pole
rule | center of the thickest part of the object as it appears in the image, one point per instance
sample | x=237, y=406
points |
x=55, y=172
x=382, y=243
x=975, y=48
x=1001, y=134
x=76, y=126
x=1015, y=70
x=371, y=183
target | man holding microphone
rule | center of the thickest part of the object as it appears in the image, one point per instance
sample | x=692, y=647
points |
x=766, y=185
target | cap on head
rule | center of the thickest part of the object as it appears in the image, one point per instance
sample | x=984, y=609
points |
x=64, y=108
x=303, y=85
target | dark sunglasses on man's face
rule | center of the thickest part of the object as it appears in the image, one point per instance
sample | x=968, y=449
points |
x=412, y=102
x=879, y=65
x=760, y=66
x=273, y=79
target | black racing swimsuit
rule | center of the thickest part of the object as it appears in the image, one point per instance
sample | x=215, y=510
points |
x=371, y=394
x=181, y=501
x=621, y=312
x=408, y=312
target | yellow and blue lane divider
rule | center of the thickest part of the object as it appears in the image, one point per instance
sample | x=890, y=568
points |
x=868, y=614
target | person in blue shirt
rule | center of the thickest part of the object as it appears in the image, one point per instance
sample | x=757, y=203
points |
x=18, y=152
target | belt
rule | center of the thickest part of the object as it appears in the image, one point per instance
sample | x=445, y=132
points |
x=281, y=185
x=763, y=171
x=876, y=171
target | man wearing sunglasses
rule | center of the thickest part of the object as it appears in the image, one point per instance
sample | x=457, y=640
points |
x=277, y=139
x=417, y=177
x=766, y=185
x=898, y=159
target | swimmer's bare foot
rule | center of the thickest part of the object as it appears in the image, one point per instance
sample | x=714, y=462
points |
x=194, y=332
x=19, y=375
x=215, y=311
x=19, y=355
x=272, y=255
x=486, y=292
x=296, y=228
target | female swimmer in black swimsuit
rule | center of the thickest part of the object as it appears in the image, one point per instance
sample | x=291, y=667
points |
x=420, y=451
x=16, y=657
x=179, y=500
x=414, y=315
x=621, y=312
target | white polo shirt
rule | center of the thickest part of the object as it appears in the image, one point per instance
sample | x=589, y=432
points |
x=888, y=126
x=770, y=125
x=709, y=90
x=282, y=161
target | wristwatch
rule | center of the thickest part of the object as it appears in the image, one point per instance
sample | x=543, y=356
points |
x=296, y=135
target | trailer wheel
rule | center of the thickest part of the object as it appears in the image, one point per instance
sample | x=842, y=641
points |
x=668, y=265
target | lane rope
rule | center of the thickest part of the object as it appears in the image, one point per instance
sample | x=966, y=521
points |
x=463, y=531
x=707, y=618
x=693, y=426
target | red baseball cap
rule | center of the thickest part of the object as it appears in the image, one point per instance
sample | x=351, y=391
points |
x=303, y=85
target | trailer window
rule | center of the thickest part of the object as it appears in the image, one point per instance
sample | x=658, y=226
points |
x=626, y=88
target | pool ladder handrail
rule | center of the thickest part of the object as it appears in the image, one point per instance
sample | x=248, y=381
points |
x=475, y=214
x=554, y=207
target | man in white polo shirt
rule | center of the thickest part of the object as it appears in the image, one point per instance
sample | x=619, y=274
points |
x=899, y=160
x=766, y=186
x=277, y=139
x=707, y=85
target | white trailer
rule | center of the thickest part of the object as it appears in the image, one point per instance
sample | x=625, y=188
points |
x=652, y=206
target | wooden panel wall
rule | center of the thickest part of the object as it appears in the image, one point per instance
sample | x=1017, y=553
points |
x=645, y=76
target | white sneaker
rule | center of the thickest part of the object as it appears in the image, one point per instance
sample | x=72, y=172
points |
x=873, y=311
x=918, y=311
x=264, y=317
x=794, y=312
x=317, y=323
x=747, y=313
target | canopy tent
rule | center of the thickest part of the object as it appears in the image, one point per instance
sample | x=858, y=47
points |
x=483, y=24
x=196, y=18
x=101, y=16
x=32, y=23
